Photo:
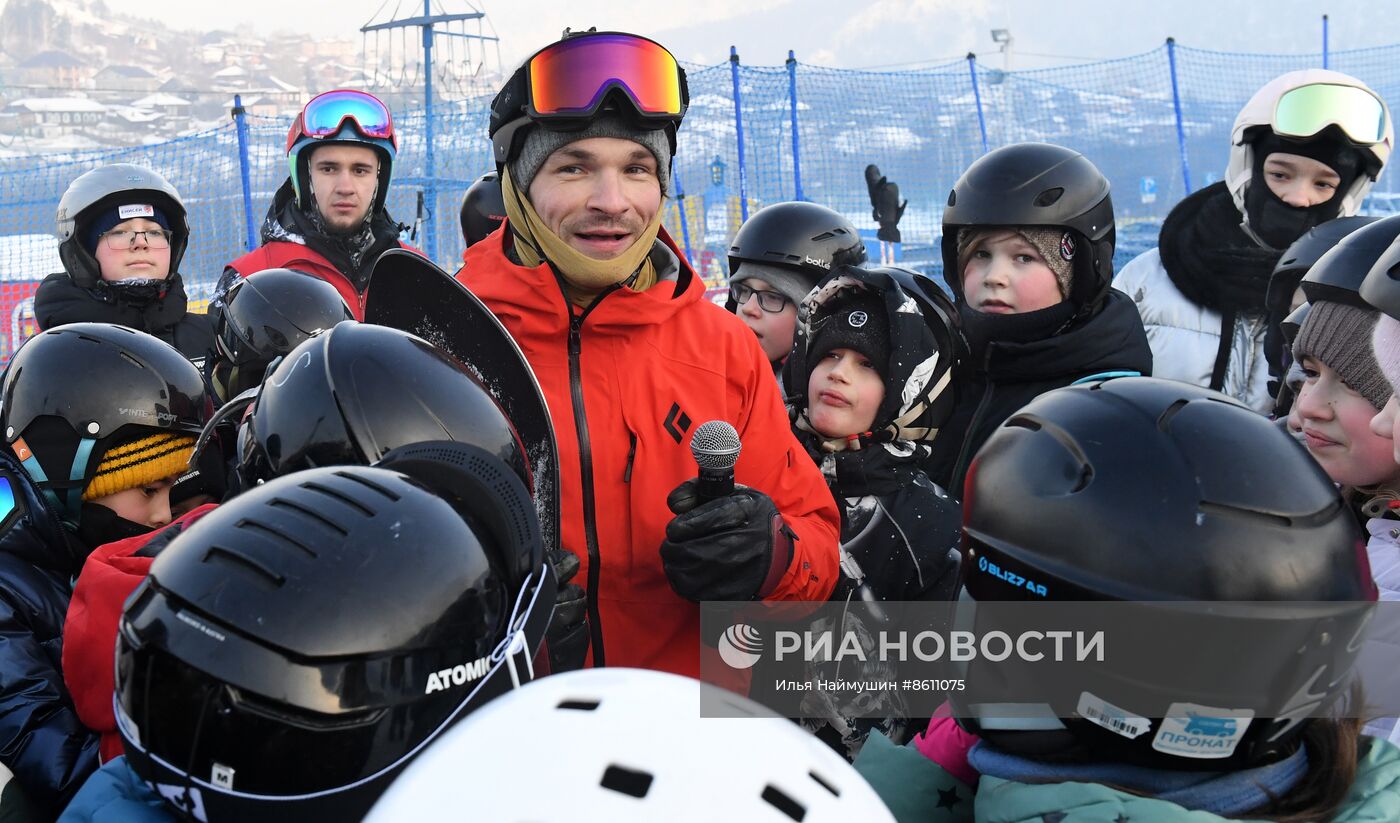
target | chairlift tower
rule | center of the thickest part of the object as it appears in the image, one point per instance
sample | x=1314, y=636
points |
x=433, y=24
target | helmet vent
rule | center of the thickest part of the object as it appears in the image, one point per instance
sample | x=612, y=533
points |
x=1225, y=510
x=282, y=503
x=1023, y=422
x=369, y=484
x=824, y=784
x=578, y=705
x=237, y=559
x=340, y=496
x=826, y=235
x=132, y=360
x=1048, y=197
x=1165, y=420
x=255, y=526
x=626, y=781
x=779, y=800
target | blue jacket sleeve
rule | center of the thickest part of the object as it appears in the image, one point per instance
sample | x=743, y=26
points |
x=41, y=739
x=114, y=794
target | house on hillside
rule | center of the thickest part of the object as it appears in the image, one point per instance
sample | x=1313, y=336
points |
x=120, y=78
x=53, y=116
x=53, y=68
x=170, y=105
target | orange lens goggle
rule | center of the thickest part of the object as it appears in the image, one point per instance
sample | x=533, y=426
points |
x=573, y=76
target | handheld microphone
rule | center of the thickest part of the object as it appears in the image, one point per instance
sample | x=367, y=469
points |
x=715, y=446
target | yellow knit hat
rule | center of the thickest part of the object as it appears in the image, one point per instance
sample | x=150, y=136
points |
x=138, y=462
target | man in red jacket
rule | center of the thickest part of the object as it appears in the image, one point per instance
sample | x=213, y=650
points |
x=329, y=219
x=631, y=359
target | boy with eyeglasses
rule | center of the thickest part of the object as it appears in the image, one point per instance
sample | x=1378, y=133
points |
x=123, y=232
x=777, y=257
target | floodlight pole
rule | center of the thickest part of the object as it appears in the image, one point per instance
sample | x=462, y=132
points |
x=427, y=22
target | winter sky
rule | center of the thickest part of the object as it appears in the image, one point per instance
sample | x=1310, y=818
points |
x=846, y=33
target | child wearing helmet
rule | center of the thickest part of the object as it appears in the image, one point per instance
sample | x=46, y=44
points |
x=777, y=256
x=1344, y=387
x=329, y=218
x=1059, y=495
x=98, y=422
x=876, y=351
x=305, y=709
x=1028, y=244
x=1305, y=149
x=123, y=232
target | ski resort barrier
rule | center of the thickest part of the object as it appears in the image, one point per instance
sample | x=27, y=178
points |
x=1158, y=124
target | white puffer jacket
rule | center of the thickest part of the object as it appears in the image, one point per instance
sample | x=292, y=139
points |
x=1185, y=336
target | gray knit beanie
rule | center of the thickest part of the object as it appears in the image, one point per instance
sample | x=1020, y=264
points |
x=1340, y=336
x=540, y=143
x=1057, y=246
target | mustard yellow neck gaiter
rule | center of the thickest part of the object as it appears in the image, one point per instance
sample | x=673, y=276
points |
x=584, y=277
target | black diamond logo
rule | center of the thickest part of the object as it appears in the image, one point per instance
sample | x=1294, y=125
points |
x=677, y=422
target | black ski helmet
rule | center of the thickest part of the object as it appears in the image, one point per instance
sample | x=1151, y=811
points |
x=104, y=188
x=73, y=391
x=483, y=208
x=264, y=316
x=1338, y=274
x=1381, y=286
x=806, y=238
x=294, y=649
x=1038, y=184
x=352, y=394
x=1232, y=510
x=1302, y=255
x=924, y=347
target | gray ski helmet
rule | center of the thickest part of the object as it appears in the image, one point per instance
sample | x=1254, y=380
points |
x=1037, y=184
x=483, y=209
x=1381, y=286
x=94, y=192
x=1298, y=258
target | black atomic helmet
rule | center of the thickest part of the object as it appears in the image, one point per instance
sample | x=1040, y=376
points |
x=292, y=651
x=264, y=316
x=1060, y=508
x=1038, y=184
x=101, y=190
x=483, y=209
x=354, y=393
x=73, y=391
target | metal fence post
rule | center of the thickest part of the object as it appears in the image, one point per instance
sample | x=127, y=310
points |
x=240, y=126
x=1324, y=41
x=977, y=95
x=796, y=153
x=739, y=135
x=1180, y=126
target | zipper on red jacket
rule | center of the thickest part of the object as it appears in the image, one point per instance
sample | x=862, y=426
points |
x=585, y=462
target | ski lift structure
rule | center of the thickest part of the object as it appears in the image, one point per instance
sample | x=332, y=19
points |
x=446, y=48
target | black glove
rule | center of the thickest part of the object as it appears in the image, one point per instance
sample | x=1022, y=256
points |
x=734, y=548
x=567, y=637
x=885, y=205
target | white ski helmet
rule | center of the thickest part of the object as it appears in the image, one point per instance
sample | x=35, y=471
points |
x=630, y=745
x=1327, y=107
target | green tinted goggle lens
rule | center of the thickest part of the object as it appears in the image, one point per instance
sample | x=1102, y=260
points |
x=1308, y=110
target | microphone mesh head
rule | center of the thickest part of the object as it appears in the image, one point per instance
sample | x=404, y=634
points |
x=715, y=445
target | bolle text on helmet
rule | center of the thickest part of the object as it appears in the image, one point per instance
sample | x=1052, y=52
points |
x=825, y=264
x=459, y=675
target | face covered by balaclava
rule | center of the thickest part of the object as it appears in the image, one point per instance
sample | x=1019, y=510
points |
x=1275, y=222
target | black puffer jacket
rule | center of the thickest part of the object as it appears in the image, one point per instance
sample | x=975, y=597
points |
x=41, y=739
x=1003, y=376
x=59, y=300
